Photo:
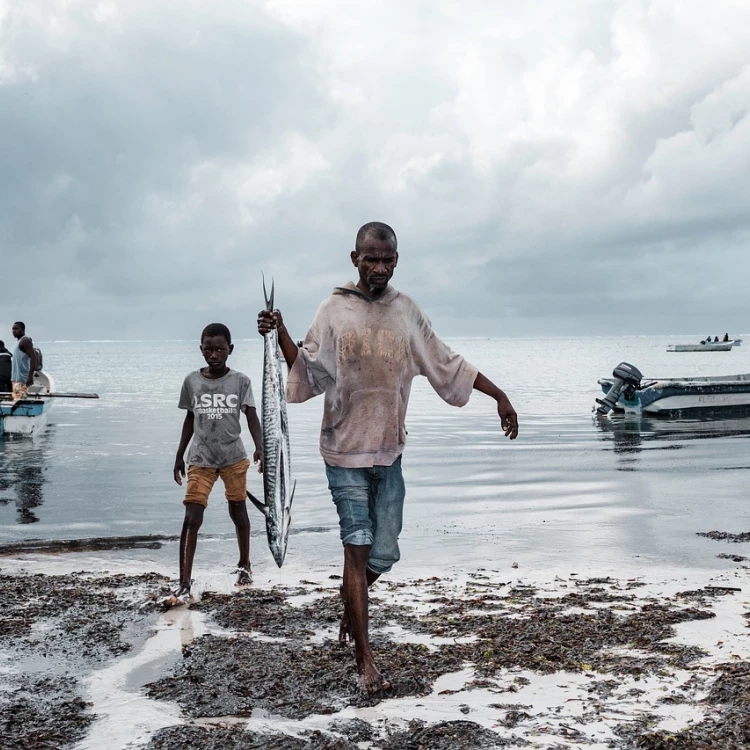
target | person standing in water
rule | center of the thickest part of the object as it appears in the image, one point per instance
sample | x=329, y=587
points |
x=367, y=343
x=24, y=362
x=214, y=398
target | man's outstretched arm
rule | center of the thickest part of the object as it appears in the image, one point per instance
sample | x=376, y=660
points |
x=267, y=321
x=508, y=416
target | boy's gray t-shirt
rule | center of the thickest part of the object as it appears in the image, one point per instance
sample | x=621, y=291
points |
x=217, y=406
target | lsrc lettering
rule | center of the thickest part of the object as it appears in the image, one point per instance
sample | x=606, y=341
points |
x=215, y=400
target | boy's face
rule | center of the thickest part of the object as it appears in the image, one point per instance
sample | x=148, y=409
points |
x=216, y=351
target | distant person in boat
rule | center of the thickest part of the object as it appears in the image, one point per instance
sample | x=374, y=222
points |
x=716, y=339
x=6, y=368
x=215, y=398
x=24, y=362
x=726, y=337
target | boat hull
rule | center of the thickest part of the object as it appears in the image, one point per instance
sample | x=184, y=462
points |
x=29, y=417
x=686, y=397
x=721, y=346
x=25, y=425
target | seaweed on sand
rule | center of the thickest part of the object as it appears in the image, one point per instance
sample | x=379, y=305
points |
x=94, y=618
x=65, y=624
x=44, y=712
x=232, y=676
x=726, y=727
x=448, y=735
x=268, y=612
x=223, y=738
x=547, y=640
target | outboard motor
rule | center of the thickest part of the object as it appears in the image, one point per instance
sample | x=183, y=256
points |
x=627, y=379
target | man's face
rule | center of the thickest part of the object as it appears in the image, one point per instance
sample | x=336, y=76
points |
x=215, y=351
x=376, y=262
x=17, y=331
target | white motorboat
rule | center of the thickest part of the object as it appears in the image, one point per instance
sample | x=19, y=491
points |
x=628, y=391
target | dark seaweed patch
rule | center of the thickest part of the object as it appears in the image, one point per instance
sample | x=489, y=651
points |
x=86, y=618
x=448, y=735
x=727, y=727
x=725, y=536
x=64, y=624
x=42, y=713
x=232, y=676
x=220, y=738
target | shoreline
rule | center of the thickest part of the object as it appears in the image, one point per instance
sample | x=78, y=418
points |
x=574, y=658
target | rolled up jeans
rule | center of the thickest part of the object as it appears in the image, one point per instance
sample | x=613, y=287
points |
x=370, y=504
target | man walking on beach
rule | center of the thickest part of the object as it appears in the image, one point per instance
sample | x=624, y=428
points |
x=24, y=362
x=367, y=343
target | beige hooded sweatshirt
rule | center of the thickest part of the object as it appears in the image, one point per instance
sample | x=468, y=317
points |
x=363, y=354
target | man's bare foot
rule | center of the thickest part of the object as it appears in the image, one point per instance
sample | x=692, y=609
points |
x=370, y=679
x=345, y=627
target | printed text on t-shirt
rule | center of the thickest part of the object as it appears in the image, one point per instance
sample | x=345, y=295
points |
x=215, y=405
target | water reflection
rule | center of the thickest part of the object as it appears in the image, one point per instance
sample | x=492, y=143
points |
x=22, y=475
x=631, y=433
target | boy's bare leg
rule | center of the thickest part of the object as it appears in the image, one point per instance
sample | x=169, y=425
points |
x=238, y=514
x=345, y=627
x=188, y=541
x=356, y=602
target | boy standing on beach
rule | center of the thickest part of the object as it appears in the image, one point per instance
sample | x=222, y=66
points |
x=214, y=397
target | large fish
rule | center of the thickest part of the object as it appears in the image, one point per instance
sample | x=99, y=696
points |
x=277, y=481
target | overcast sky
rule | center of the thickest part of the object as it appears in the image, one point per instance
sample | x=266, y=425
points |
x=549, y=166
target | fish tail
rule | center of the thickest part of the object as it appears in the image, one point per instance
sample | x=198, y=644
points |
x=262, y=507
x=269, y=300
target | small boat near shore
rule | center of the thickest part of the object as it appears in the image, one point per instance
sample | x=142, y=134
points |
x=28, y=416
x=627, y=391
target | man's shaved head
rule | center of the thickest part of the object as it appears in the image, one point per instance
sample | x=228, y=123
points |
x=379, y=231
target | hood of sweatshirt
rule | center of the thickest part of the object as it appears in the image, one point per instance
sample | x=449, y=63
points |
x=351, y=289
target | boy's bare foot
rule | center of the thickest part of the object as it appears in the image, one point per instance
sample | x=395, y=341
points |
x=345, y=628
x=370, y=679
x=179, y=597
x=244, y=577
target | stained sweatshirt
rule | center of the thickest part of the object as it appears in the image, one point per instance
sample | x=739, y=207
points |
x=363, y=355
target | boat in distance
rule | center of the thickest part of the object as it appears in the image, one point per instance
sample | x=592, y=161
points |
x=709, y=346
x=627, y=391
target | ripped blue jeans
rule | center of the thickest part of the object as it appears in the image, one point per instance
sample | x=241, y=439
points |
x=370, y=504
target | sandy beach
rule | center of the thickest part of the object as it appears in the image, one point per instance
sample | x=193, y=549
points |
x=483, y=658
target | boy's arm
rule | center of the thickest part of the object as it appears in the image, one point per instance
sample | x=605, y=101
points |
x=187, y=434
x=253, y=425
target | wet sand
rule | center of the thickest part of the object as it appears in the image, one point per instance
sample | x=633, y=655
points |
x=477, y=659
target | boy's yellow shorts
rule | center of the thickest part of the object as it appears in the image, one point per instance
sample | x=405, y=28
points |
x=201, y=479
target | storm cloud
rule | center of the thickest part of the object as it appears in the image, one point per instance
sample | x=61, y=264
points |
x=549, y=167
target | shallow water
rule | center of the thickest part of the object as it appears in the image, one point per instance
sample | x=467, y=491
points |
x=570, y=491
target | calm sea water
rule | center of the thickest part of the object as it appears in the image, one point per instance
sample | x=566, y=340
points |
x=568, y=491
